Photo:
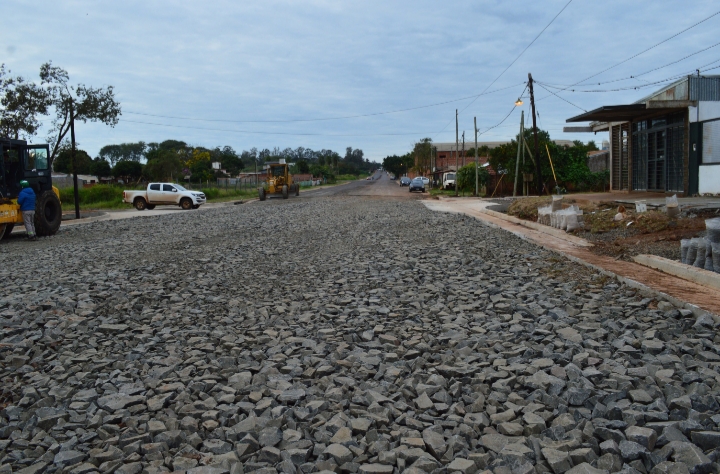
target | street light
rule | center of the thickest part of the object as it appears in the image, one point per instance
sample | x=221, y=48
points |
x=519, y=102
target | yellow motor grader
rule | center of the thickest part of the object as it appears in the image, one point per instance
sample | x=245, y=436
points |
x=278, y=181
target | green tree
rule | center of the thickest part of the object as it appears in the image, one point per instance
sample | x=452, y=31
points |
x=164, y=165
x=422, y=155
x=322, y=171
x=63, y=163
x=303, y=166
x=466, y=177
x=21, y=102
x=127, y=170
x=123, y=151
x=79, y=103
x=229, y=160
x=100, y=168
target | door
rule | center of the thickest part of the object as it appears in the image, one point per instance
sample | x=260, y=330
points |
x=36, y=169
x=154, y=193
x=656, y=161
x=170, y=194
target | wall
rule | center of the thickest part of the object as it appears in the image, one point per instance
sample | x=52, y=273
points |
x=709, y=179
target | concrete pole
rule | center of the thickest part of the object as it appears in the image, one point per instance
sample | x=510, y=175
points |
x=477, y=190
x=457, y=145
x=517, y=160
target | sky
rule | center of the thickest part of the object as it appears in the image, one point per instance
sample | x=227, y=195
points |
x=374, y=75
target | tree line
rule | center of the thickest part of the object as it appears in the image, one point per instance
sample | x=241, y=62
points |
x=174, y=159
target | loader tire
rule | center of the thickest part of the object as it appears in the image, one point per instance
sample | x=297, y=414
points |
x=261, y=194
x=48, y=214
x=285, y=191
x=8, y=230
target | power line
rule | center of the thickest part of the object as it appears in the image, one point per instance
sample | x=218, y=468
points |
x=252, y=132
x=513, y=61
x=561, y=98
x=635, y=76
x=326, y=118
x=648, y=49
x=506, y=117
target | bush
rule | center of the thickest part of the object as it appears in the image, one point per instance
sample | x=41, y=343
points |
x=211, y=193
x=466, y=177
x=99, y=193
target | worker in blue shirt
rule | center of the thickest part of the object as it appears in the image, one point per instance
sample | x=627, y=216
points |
x=26, y=199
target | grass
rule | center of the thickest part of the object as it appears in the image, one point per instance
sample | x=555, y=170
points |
x=106, y=196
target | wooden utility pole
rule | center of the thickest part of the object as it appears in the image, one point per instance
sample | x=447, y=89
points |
x=463, y=148
x=457, y=145
x=477, y=190
x=520, y=144
x=538, y=178
x=76, y=193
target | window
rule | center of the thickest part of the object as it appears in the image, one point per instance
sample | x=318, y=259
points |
x=168, y=188
x=36, y=159
x=711, y=142
x=155, y=187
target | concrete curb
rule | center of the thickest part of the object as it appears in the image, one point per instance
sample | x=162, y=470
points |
x=681, y=270
x=540, y=228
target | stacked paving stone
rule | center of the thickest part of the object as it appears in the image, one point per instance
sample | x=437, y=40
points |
x=347, y=336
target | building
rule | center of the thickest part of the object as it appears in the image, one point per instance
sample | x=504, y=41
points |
x=667, y=142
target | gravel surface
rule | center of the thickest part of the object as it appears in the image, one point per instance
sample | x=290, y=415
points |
x=345, y=335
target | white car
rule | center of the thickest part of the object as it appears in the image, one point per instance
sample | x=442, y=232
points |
x=426, y=181
x=164, y=194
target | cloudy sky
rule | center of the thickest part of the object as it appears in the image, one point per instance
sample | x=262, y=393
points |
x=325, y=74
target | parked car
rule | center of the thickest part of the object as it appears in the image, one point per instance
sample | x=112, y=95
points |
x=426, y=181
x=417, y=184
x=164, y=193
x=405, y=181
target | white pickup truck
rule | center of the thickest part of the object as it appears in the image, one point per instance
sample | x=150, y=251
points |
x=164, y=193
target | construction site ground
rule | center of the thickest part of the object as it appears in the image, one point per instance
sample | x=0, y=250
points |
x=603, y=255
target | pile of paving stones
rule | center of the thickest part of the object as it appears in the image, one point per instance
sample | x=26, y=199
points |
x=354, y=336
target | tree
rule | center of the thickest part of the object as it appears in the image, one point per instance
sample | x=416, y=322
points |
x=303, y=166
x=127, y=170
x=229, y=160
x=75, y=103
x=466, y=177
x=422, y=153
x=123, y=151
x=200, y=165
x=21, y=102
x=63, y=162
x=164, y=165
x=100, y=168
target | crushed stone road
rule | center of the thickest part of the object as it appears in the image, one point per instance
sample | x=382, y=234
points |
x=346, y=334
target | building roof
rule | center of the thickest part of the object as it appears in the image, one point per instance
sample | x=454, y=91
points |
x=671, y=98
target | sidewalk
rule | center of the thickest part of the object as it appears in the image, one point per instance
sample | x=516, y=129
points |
x=682, y=293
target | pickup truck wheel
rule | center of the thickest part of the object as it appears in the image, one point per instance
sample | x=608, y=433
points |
x=285, y=191
x=140, y=204
x=186, y=204
x=48, y=214
x=150, y=206
x=261, y=194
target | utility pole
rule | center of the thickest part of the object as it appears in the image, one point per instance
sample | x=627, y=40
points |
x=74, y=164
x=463, y=148
x=520, y=143
x=456, y=152
x=538, y=178
x=477, y=189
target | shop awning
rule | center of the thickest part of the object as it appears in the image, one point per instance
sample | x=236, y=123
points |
x=631, y=112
